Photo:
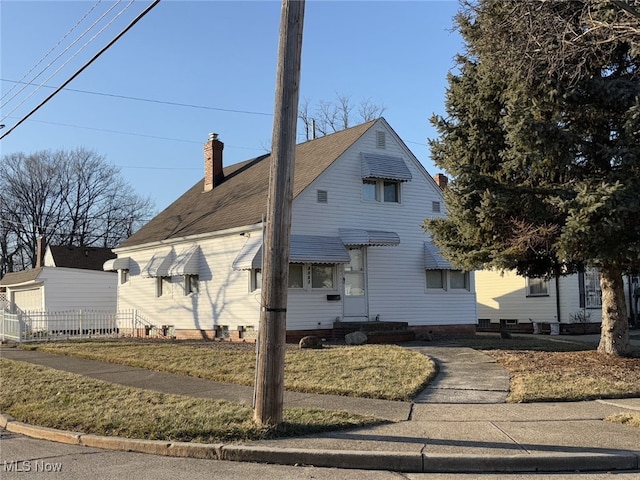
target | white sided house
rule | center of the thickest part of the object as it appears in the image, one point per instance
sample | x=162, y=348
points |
x=72, y=278
x=358, y=251
x=571, y=304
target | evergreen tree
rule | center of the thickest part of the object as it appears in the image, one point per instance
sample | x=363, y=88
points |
x=543, y=145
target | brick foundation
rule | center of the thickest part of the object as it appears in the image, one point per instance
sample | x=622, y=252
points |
x=294, y=336
x=436, y=331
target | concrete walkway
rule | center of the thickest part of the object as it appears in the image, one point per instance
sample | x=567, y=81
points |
x=437, y=432
x=465, y=376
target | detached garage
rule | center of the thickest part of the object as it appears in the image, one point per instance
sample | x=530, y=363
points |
x=71, y=279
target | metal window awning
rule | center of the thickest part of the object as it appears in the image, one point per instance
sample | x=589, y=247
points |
x=359, y=237
x=384, y=167
x=159, y=265
x=120, y=263
x=433, y=260
x=304, y=249
x=187, y=262
x=248, y=257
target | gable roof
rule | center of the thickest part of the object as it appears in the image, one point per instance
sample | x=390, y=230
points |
x=241, y=199
x=86, y=258
x=17, y=278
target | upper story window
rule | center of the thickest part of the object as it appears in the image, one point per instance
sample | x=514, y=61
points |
x=391, y=191
x=370, y=190
x=387, y=191
x=382, y=177
x=537, y=287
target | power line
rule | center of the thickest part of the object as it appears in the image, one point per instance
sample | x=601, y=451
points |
x=49, y=52
x=152, y=100
x=69, y=59
x=94, y=58
x=157, y=137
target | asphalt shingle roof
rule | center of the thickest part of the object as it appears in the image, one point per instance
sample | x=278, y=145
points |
x=15, y=278
x=87, y=258
x=241, y=199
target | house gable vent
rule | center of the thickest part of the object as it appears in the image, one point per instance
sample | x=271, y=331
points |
x=381, y=139
x=435, y=207
x=323, y=196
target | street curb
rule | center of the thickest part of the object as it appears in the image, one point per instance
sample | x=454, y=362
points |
x=365, y=460
x=355, y=459
x=557, y=462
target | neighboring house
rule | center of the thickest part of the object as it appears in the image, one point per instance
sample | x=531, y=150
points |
x=507, y=300
x=72, y=278
x=358, y=251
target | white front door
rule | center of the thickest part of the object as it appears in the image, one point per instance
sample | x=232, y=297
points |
x=355, y=303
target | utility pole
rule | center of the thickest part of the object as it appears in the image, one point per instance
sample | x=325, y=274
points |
x=269, y=388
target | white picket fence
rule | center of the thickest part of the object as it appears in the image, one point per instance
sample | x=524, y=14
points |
x=30, y=326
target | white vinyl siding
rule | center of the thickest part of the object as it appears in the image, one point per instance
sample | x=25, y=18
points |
x=63, y=289
x=395, y=274
x=223, y=297
x=504, y=296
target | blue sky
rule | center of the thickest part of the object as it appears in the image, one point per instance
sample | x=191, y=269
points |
x=220, y=55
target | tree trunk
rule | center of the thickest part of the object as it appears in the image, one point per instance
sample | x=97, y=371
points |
x=614, y=336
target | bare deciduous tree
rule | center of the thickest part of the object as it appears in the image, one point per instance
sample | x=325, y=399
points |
x=331, y=116
x=70, y=198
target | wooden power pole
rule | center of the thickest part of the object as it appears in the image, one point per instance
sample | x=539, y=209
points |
x=269, y=388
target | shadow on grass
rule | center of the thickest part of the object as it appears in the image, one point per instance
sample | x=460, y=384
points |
x=538, y=343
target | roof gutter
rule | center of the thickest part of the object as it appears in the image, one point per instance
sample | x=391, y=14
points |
x=190, y=238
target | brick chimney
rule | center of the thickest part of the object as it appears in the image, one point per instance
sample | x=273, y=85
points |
x=39, y=252
x=441, y=180
x=213, y=175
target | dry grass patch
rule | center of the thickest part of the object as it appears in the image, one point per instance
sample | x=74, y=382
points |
x=630, y=419
x=373, y=371
x=568, y=376
x=51, y=398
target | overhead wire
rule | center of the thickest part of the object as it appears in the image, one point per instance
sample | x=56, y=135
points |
x=93, y=7
x=158, y=137
x=151, y=100
x=84, y=67
x=68, y=60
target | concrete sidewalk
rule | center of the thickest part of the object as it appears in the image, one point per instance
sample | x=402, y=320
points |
x=453, y=426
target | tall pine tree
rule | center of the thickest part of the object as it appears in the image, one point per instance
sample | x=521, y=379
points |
x=542, y=139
